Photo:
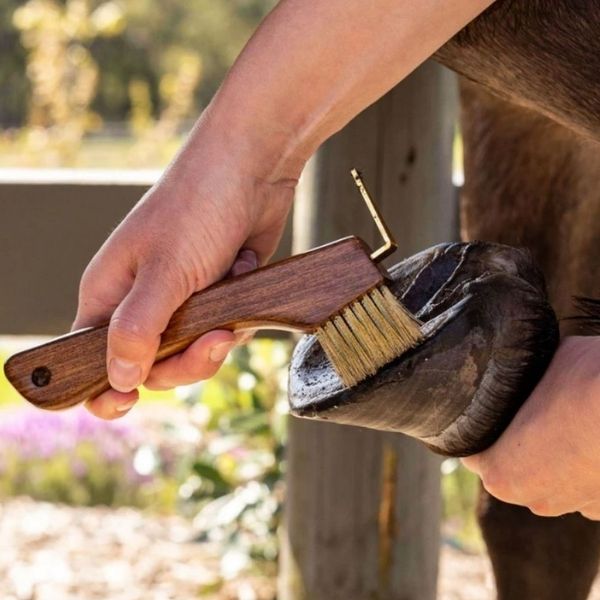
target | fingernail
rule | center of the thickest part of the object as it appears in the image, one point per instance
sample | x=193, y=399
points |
x=125, y=406
x=220, y=351
x=242, y=267
x=249, y=256
x=124, y=375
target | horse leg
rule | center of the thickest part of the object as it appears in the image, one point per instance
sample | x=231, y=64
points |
x=538, y=558
x=530, y=182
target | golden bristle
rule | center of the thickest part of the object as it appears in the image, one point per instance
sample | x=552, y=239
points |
x=369, y=333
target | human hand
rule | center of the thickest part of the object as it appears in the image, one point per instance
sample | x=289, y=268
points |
x=231, y=187
x=209, y=215
x=548, y=459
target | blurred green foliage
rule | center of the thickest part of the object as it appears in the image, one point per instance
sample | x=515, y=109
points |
x=73, y=458
x=13, y=79
x=460, y=491
x=215, y=455
x=148, y=44
x=235, y=488
x=112, y=83
x=214, y=452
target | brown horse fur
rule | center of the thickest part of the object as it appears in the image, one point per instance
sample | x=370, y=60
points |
x=530, y=94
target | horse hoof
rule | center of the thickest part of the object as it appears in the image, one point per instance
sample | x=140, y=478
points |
x=489, y=336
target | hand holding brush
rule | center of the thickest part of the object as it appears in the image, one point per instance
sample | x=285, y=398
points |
x=337, y=291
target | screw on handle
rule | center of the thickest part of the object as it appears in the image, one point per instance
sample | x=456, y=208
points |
x=41, y=376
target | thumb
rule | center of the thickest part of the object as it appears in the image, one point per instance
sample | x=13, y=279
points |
x=136, y=326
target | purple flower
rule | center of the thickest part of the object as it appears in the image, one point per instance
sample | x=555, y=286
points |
x=38, y=434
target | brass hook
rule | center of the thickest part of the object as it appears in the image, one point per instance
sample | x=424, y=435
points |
x=389, y=245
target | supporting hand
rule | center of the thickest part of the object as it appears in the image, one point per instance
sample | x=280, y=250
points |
x=548, y=459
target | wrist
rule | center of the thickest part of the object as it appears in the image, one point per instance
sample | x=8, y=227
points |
x=251, y=144
x=233, y=166
x=220, y=176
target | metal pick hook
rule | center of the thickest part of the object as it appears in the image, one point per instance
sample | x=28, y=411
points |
x=389, y=245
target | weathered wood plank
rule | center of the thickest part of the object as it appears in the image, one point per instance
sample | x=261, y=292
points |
x=49, y=230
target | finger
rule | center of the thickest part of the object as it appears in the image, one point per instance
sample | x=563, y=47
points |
x=204, y=357
x=104, y=284
x=591, y=508
x=200, y=361
x=472, y=463
x=112, y=404
x=496, y=477
x=245, y=261
x=591, y=511
x=549, y=507
x=137, y=324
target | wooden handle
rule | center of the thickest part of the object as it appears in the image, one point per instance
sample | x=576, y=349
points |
x=299, y=293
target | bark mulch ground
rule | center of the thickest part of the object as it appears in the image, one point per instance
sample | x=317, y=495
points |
x=52, y=552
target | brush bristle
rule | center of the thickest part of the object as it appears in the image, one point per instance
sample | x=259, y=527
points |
x=368, y=334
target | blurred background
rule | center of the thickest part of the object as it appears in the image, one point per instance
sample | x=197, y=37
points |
x=182, y=498
x=111, y=84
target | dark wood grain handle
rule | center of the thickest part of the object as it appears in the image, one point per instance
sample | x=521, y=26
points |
x=299, y=293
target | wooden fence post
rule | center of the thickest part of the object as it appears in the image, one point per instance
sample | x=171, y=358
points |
x=362, y=512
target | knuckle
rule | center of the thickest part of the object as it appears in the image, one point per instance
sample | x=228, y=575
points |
x=86, y=284
x=159, y=377
x=592, y=515
x=543, y=508
x=128, y=330
x=175, y=272
x=99, y=409
x=191, y=374
x=204, y=371
x=496, y=483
